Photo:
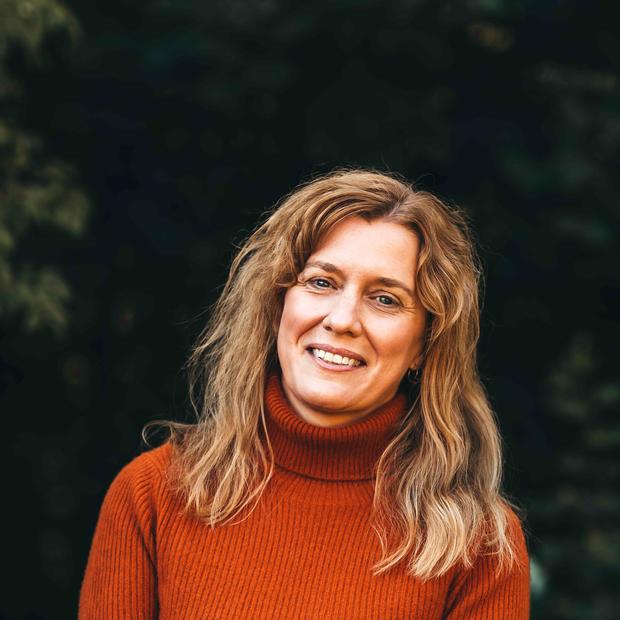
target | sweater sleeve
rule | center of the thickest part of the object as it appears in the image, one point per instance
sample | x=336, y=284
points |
x=120, y=577
x=481, y=593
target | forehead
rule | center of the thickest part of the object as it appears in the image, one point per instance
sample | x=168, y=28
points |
x=379, y=248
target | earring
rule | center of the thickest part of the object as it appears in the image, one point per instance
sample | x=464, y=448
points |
x=414, y=374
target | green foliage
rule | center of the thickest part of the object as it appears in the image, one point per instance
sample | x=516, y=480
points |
x=580, y=516
x=26, y=24
x=38, y=193
x=187, y=118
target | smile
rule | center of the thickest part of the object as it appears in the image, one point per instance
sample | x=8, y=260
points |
x=334, y=358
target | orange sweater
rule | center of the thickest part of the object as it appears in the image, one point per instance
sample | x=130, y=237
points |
x=306, y=551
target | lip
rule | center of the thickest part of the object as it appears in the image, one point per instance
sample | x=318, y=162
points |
x=337, y=351
x=333, y=367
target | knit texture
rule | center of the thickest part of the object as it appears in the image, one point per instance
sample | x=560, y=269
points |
x=305, y=552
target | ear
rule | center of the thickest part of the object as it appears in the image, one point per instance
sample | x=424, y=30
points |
x=417, y=362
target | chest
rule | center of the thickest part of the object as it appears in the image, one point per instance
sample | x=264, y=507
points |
x=286, y=560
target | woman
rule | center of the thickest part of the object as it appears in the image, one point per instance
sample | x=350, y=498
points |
x=345, y=462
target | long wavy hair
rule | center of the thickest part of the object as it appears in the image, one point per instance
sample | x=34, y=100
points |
x=437, y=499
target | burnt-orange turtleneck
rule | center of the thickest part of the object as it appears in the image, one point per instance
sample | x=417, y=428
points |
x=306, y=551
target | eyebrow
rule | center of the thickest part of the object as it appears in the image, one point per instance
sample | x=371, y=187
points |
x=391, y=282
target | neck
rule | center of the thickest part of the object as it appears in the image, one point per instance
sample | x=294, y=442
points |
x=347, y=452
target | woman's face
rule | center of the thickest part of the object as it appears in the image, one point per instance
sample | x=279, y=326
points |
x=353, y=325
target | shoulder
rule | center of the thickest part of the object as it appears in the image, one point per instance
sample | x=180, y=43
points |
x=147, y=468
x=152, y=463
x=140, y=483
x=505, y=550
x=497, y=585
x=516, y=533
x=501, y=548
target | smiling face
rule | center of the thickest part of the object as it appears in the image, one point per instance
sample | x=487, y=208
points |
x=352, y=326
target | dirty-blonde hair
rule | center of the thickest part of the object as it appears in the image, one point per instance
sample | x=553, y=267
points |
x=437, y=498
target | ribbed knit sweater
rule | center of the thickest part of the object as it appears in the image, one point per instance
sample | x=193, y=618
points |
x=306, y=550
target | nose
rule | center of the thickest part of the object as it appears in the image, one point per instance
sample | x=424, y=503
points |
x=343, y=316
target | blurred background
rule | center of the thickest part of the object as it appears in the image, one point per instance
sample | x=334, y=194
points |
x=140, y=140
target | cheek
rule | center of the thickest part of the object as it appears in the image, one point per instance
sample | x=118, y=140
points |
x=299, y=315
x=291, y=327
x=416, y=345
x=283, y=345
x=288, y=320
x=401, y=344
x=283, y=327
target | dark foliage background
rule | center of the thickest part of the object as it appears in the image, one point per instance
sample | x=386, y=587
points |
x=140, y=139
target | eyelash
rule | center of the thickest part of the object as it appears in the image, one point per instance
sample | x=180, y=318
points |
x=314, y=281
x=393, y=302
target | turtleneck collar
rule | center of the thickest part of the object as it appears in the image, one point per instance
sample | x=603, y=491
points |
x=344, y=453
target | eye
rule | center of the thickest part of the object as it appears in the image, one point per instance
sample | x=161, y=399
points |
x=320, y=283
x=386, y=300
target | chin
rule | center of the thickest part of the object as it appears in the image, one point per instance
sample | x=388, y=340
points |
x=334, y=400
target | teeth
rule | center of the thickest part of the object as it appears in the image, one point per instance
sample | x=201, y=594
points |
x=335, y=358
